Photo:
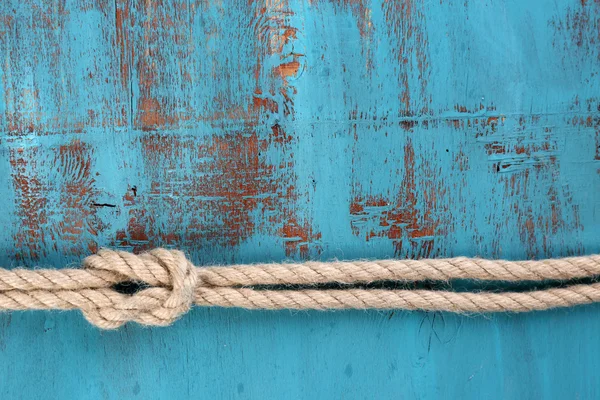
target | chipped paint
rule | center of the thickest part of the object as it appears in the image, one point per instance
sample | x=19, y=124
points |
x=300, y=129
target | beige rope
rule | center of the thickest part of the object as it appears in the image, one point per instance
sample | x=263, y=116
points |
x=175, y=284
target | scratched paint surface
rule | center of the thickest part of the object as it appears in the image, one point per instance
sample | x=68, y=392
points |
x=246, y=131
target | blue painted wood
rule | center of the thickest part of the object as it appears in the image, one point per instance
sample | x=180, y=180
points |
x=261, y=131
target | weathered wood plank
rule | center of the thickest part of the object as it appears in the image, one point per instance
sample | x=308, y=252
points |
x=252, y=131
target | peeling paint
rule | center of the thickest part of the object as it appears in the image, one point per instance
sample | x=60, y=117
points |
x=300, y=129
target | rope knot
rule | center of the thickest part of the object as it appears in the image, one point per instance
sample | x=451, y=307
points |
x=171, y=279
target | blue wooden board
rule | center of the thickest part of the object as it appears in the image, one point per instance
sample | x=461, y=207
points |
x=244, y=131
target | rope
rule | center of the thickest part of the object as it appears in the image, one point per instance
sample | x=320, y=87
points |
x=174, y=285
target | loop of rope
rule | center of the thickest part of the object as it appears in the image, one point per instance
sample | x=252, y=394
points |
x=174, y=279
x=174, y=285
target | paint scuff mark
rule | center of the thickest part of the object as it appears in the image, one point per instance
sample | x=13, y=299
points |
x=409, y=219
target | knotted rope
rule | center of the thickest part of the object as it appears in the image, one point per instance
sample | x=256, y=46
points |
x=174, y=285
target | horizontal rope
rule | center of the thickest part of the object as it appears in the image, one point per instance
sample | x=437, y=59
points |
x=361, y=271
x=110, y=267
x=381, y=299
x=175, y=285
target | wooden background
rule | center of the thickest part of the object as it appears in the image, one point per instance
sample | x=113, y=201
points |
x=245, y=131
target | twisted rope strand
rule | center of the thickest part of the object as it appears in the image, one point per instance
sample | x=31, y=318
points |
x=401, y=270
x=110, y=267
x=175, y=285
x=427, y=300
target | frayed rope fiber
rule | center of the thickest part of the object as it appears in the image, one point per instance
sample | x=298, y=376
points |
x=172, y=285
